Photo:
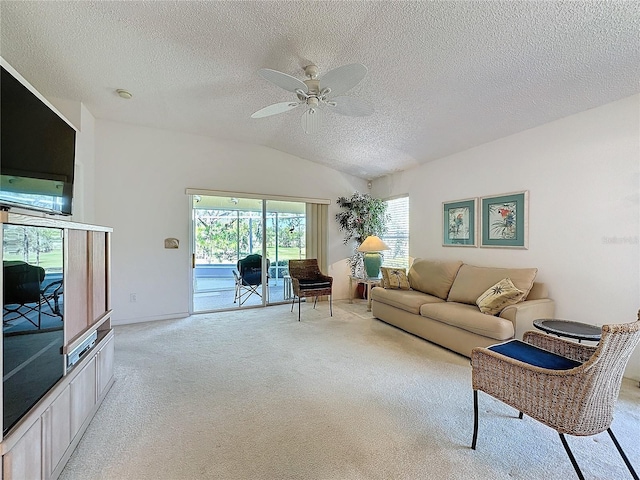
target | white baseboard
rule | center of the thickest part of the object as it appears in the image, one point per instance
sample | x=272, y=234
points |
x=155, y=318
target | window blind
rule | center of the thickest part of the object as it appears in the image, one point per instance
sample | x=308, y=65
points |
x=397, y=236
x=317, y=233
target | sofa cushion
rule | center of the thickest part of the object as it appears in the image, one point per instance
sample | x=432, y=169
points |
x=408, y=300
x=538, y=291
x=469, y=317
x=309, y=284
x=395, y=278
x=434, y=278
x=471, y=281
x=499, y=296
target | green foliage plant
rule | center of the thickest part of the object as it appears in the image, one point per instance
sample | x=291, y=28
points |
x=224, y=236
x=361, y=216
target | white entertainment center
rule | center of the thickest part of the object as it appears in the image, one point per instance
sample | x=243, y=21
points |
x=39, y=444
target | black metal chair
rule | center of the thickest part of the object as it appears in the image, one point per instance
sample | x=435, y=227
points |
x=248, y=278
x=51, y=294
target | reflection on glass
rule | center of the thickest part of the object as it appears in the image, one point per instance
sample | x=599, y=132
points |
x=32, y=316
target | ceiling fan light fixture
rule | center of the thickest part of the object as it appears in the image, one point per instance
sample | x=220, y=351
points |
x=311, y=120
x=316, y=93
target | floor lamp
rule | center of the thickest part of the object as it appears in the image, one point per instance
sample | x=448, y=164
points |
x=371, y=247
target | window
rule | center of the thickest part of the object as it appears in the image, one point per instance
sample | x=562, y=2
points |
x=397, y=236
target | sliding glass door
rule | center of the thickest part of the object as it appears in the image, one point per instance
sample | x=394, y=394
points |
x=285, y=240
x=241, y=248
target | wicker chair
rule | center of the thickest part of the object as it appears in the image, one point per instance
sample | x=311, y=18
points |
x=308, y=281
x=577, y=401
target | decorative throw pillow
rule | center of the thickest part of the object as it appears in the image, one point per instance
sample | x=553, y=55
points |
x=384, y=274
x=501, y=295
x=395, y=278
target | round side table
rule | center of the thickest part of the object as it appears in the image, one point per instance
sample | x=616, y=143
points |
x=569, y=329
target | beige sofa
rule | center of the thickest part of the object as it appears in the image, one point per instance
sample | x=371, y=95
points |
x=441, y=304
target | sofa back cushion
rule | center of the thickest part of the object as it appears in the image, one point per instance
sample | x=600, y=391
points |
x=538, y=291
x=434, y=278
x=471, y=281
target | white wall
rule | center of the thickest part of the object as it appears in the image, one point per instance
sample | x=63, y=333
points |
x=583, y=177
x=140, y=179
x=84, y=175
x=84, y=181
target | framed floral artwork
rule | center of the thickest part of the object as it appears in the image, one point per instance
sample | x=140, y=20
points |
x=505, y=222
x=459, y=223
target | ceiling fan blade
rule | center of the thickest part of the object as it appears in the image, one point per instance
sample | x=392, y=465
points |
x=343, y=78
x=275, y=109
x=312, y=120
x=352, y=107
x=283, y=80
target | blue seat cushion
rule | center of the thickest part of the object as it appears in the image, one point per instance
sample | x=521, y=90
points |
x=533, y=355
x=313, y=284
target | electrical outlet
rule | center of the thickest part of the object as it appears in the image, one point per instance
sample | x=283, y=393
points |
x=133, y=298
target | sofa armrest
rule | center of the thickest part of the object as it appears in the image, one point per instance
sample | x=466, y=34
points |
x=524, y=313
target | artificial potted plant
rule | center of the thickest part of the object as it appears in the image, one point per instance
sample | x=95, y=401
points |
x=361, y=216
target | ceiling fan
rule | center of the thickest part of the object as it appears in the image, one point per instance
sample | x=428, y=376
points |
x=317, y=94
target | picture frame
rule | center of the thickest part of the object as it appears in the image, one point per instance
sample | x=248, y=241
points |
x=459, y=225
x=505, y=220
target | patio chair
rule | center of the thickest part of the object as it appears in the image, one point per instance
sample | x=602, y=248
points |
x=568, y=386
x=22, y=294
x=51, y=294
x=248, y=278
x=308, y=281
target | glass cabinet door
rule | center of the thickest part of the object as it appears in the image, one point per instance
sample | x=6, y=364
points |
x=32, y=316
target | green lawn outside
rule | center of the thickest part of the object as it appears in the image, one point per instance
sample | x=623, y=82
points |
x=53, y=259
x=285, y=253
x=49, y=260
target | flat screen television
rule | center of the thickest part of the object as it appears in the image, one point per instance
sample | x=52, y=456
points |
x=37, y=151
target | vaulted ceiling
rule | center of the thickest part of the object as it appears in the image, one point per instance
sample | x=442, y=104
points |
x=443, y=76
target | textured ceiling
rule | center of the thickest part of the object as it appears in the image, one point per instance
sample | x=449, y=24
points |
x=443, y=76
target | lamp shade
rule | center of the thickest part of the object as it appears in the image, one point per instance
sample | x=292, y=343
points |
x=372, y=244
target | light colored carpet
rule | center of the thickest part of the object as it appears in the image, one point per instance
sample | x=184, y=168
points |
x=256, y=394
